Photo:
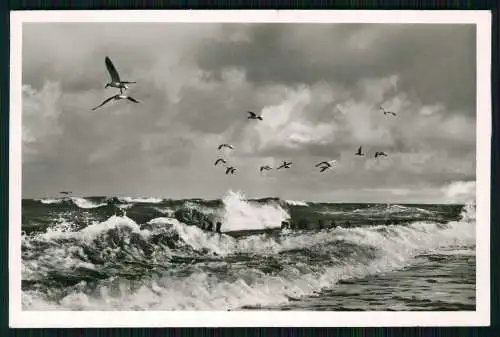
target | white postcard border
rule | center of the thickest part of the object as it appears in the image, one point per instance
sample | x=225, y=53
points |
x=33, y=319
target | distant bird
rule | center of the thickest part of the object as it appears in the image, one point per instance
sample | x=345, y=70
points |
x=230, y=170
x=324, y=166
x=265, y=167
x=387, y=112
x=252, y=115
x=359, y=153
x=329, y=163
x=220, y=160
x=380, y=154
x=65, y=193
x=116, y=98
x=115, y=78
x=224, y=145
x=284, y=165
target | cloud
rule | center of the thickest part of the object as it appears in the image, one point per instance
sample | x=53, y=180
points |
x=460, y=191
x=426, y=57
x=40, y=119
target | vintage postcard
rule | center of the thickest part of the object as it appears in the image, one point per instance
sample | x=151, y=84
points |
x=249, y=168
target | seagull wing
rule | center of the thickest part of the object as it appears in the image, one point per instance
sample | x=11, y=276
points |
x=132, y=99
x=252, y=114
x=324, y=168
x=105, y=101
x=112, y=70
x=319, y=164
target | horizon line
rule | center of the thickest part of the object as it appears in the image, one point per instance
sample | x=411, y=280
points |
x=250, y=199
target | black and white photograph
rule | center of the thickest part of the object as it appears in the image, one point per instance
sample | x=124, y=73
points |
x=241, y=165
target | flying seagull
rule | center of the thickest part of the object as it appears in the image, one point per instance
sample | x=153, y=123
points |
x=387, y=112
x=116, y=98
x=220, y=160
x=224, y=145
x=325, y=165
x=328, y=163
x=324, y=168
x=115, y=78
x=284, y=165
x=252, y=115
x=359, y=153
x=65, y=193
x=230, y=170
x=265, y=167
x=380, y=154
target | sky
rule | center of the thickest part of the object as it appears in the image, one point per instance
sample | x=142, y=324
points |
x=318, y=88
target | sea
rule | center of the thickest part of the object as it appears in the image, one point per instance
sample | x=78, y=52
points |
x=129, y=253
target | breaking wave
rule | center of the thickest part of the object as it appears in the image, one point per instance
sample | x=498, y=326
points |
x=296, y=203
x=140, y=200
x=50, y=201
x=84, y=203
x=164, y=264
x=240, y=214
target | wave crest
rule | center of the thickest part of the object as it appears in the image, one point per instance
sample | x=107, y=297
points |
x=296, y=203
x=346, y=252
x=240, y=214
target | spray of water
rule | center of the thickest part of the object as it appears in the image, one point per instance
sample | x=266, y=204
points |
x=240, y=214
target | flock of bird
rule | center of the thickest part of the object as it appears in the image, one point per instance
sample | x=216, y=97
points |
x=116, y=82
x=323, y=166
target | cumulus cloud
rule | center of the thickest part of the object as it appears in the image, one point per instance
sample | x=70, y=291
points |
x=318, y=88
x=460, y=191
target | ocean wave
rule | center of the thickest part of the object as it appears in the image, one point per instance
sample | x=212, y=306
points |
x=296, y=203
x=397, y=210
x=84, y=203
x=165, y=210
x=240, y=214
x=375, y=249
x=199, y=207
x=124, y=206
x=469, y=212
x=49, y=201
x=150, y=200
x=79, y=202
x=161, y=263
